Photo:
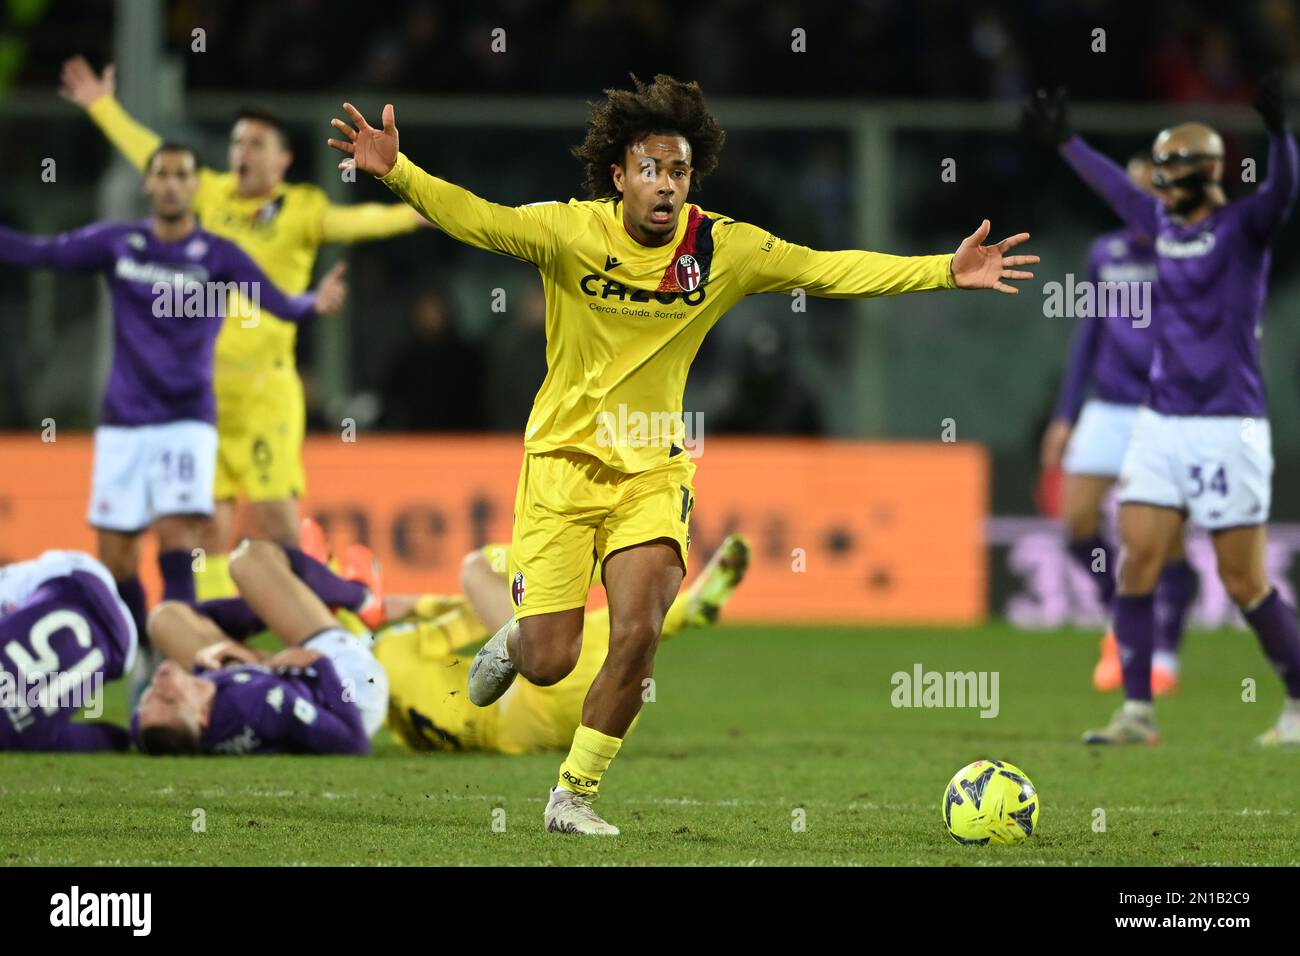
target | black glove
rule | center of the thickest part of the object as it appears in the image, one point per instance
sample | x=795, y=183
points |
x=1044, y=117
x=1269, y=102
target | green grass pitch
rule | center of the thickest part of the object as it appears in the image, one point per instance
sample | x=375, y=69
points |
x=749, y=724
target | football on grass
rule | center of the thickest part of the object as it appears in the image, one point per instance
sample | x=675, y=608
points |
x=990, y=801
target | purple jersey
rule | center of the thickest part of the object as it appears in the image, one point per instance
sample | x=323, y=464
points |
x=63, y=633
x=1211, y=282
x=260, y=710
x=166, y=315
x=1109, y=357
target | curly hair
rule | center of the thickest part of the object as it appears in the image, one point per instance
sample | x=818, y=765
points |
x=665, y=107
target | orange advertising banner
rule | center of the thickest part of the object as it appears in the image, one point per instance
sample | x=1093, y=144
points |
x=852, y=532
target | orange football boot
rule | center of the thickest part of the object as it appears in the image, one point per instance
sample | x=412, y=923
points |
x=360, y=564
x=1108, y=675
x=1164, y=682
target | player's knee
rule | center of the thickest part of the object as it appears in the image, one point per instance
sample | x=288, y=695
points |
x=473, y=567
x=164, y=619
x=548, y=664
x=250, y=555
x=1243, y=587
x=1082, y=524
x=1140, y=571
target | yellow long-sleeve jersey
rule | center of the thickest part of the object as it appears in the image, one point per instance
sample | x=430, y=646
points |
x=624, y=320
x=282, y=232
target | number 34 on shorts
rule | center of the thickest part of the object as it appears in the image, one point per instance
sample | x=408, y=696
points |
x=1218, y=469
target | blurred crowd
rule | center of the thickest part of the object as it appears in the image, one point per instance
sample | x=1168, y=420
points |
x=430, y=354
x=1190, y=49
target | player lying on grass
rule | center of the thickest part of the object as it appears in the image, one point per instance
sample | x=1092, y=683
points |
x=260, y=413
x=323, y=694
x=634, y=279
x=1201, y=444
x=1109, y=363
x=156, y=442
x=64, y=631
x=428, y=706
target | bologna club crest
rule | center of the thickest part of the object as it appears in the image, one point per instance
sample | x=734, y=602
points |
x=517, y=589
x=687, y=273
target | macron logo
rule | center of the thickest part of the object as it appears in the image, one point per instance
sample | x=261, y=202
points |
x=103, y=909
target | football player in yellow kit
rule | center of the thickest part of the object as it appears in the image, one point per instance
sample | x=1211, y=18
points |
x=260, y=409
x=634, y=278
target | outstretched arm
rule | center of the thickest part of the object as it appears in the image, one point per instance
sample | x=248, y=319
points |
x=86, y=248
x=773, y=265
x=93, y=92
x=326, y=299
x=1078, y=369
x=1079, y=363
x=365, y=221
x=1045, y=118
x=525, y=232
x=1268, y=206
x=1108, y=180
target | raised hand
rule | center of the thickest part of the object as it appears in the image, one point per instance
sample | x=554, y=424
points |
x=372, y=150
x=1270, y=102
x=80, y=84
x=332, y=291
x=984, y=267
x=1045, y=117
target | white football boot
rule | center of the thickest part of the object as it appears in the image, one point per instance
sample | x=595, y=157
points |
x=492, y=672
x=569, y=812
x=1134, y=723
x=1284, y=733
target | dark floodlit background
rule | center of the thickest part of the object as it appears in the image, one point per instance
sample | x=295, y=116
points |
x=840, y=146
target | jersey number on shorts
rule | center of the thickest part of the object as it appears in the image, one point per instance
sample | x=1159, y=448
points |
x=1218, y=481
x=178, y=467
x=688, y=503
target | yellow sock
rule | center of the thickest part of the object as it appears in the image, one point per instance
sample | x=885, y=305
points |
x=588, y=759
x=214, y=581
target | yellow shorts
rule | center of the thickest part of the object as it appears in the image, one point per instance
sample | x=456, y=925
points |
x=572, y=511
x=428, y=702
x=261, y=419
